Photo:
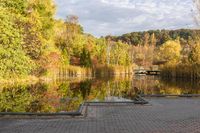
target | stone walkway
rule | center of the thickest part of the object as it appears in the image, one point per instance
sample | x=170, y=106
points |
x=164, y=115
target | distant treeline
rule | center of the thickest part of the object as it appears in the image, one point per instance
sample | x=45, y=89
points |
x=179, y=50
x=157, y=37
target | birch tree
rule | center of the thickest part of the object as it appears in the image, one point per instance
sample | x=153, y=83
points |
x=197, y=11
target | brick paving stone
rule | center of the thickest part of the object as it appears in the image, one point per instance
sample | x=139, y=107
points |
x=164, y=115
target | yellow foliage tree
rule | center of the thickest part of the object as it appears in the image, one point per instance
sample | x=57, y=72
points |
x=170, y=52
x=194, y=56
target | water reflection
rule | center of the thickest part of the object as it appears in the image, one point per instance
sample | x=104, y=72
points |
x=68, y=95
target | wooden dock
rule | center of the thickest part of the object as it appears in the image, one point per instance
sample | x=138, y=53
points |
x=147, y=72
x=153, y=72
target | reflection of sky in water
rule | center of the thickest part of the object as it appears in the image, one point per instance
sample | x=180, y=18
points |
x=67, y=96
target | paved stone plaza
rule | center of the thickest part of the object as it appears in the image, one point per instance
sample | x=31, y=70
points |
x=163, y=115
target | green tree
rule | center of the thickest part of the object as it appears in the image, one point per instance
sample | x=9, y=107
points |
x=15, y=99
x=39, y=28
x=194, y=56
x=13, y=60
x=15, y=6
x=70, y=37
x=85, y=59
x=120, y=54
x=101, y=50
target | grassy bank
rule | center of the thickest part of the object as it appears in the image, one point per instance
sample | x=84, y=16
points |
x=185, y=71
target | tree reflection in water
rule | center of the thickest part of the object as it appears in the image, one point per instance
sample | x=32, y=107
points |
x=68, y=95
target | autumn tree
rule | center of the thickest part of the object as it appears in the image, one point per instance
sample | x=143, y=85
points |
x=120, y=54
x=69, y=36
x=39, y=28
x=15, y=6
x=153, y=40
x=146, y=39
x=170, y=52
x=13, y=60
x=101, y=50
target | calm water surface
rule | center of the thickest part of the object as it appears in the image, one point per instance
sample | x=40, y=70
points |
x=65, y=95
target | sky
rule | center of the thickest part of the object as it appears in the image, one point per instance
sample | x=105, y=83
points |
x=116, y=17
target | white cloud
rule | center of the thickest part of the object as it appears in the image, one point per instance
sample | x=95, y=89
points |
x=119, y=3
x=102, y=17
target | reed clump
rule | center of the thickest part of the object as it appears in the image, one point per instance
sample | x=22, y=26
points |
x=111, y=70
x=75, y=71
x=185, y=71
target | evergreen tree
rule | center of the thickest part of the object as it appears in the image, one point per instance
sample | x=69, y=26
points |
x=85, y=59
x=194, y=56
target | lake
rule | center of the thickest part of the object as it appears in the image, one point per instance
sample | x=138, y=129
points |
x=67, y=94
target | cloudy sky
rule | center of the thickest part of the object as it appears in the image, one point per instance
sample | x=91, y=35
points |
x=115, y=17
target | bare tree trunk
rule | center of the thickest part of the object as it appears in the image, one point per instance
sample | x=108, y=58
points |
x=197, y=11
